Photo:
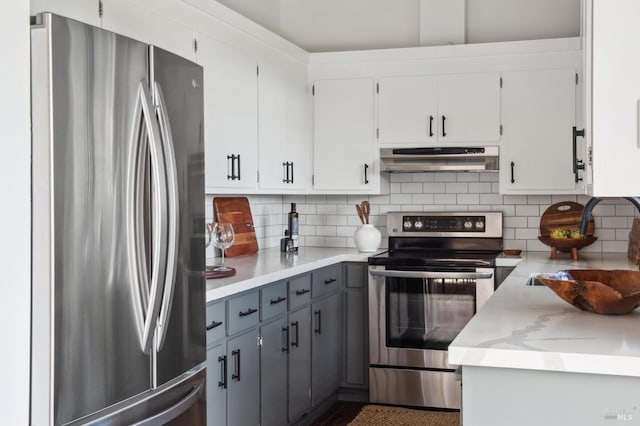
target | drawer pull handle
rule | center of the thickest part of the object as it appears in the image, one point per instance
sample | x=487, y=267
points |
x=214, y=324
x=248, y=312
x=330, y=280
x=301, y=292
x=278, y=300
x=318, y=329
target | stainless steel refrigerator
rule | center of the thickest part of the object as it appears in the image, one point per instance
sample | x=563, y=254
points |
x=118, y=309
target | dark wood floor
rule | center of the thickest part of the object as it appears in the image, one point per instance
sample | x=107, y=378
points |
x=340, y=414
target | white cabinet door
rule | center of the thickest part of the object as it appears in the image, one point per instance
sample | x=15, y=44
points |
x=133, y=19
x=284, y=126
x=230, y=117
x=407, y=110
x=469, y=108
x=614, y=109
x=80, y=10
x=537, y=148
x=343, y=142
x=458, y=109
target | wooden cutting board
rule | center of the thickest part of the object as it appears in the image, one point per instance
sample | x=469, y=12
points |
x=236, y=210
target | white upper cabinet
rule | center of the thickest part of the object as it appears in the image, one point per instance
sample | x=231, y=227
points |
x=458, y=109
x=537, y=152
x=612, y=67
x=80, y=10
x=230, y=116
x=284, y=125
x=132, y=18
x=343, y=139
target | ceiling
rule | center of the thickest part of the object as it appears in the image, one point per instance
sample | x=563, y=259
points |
x=334, y=25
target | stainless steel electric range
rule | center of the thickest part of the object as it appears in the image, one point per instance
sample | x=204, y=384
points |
x=438, y=272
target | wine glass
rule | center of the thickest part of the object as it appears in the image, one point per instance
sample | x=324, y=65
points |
x=223, y=238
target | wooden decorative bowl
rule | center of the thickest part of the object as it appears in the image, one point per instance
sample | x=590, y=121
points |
x=615, y=292
x=565, y=215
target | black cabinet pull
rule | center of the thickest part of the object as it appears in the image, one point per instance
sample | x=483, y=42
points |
x=214, y=324
x=301, y=292
x=236, y=364
x=223, y=372
x=291, y=177
x=366, y=169
x=431, y=126
x=248, y=312
x=294, y=343
x=513, y=180
x=280, y=299
x=577, y=164
x=330, y=280
x=233, y=175
x=285, y=332
x=444, y=133
x=318, y=315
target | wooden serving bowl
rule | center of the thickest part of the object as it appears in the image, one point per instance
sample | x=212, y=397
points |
x=614, y=292
x=567, y=245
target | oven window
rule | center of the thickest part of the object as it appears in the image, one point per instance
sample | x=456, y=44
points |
x=427, y=313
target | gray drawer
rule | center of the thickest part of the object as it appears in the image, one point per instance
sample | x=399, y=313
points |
x=273, y=300
x=299, y=291
x=243, y=312
x=216, y=322
x=326, y=280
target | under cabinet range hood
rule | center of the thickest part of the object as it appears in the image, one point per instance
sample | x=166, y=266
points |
x=438, y=159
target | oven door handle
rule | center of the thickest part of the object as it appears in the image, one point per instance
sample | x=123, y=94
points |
x=427, y=274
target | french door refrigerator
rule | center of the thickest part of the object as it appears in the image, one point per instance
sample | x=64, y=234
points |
x=118, y=308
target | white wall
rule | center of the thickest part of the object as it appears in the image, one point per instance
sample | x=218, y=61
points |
x=15, y=216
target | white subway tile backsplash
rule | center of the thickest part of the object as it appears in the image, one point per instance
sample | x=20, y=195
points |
x=331, y=220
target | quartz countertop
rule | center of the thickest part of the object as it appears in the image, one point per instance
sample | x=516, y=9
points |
x=269, y=265
x=530, y=327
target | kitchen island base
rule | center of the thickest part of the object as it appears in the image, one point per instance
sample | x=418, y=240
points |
x=505, y=396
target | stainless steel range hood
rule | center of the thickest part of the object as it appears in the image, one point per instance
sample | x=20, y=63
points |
x=438, y=159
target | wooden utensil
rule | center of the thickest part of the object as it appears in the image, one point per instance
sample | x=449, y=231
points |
x=366, y=209
x=360, y=213
x=236, y=211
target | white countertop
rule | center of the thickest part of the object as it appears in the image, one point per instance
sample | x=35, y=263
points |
x=530, y=327
x=269, y=265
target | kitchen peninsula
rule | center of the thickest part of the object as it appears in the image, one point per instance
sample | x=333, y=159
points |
x=530, y=358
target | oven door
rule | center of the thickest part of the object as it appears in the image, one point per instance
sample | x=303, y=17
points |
x=415, y=315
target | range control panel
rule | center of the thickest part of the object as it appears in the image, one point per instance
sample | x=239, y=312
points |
x=445, y=224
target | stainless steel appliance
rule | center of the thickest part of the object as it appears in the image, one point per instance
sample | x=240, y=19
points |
x=118, y=311
x=432, y=159
x=439, y=270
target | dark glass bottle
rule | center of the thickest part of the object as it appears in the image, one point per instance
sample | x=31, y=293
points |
x=293, y=226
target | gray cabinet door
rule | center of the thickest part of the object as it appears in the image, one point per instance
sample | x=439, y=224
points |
x=355, y=328
x=299, y=363
x=273, y=373
x=326, y=359
x=216, y=385
x=243, y=393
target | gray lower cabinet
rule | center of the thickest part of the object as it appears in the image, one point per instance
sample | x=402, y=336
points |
x=299, y=363
x=243, y=378
x=326, y=347
x=356, y=326
x=216, y=385
x=273, y=372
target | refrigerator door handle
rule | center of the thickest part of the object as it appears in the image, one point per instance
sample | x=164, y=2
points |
x=172, y=412
x=144, y=124
x=173, y=215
